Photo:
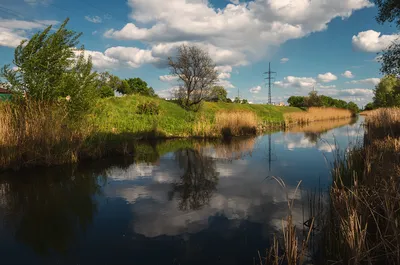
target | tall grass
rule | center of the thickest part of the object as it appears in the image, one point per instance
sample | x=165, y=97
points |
x=291, y=250
x=234, y=123
x=364, y=220
x=37, y=133
x=316, y=114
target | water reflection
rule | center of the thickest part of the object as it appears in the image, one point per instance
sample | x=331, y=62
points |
x=172, y=202
x=48, y=209
x=198, y=181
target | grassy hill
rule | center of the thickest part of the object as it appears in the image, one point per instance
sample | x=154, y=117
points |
x=130, y=114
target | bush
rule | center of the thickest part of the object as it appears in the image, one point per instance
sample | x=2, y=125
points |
x=149, y=108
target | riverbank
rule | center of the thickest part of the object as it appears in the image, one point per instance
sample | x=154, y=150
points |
x=362, y=226
x=116, y=124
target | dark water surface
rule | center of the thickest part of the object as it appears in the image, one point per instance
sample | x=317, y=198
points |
x=176, y=202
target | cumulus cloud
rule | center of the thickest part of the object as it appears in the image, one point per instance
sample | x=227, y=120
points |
x=100, y=60
x=132, y=56
x=327, y=77
x=13, y=31
x=284, y=60
x=373, y=41
x=239, y=33
x=94, y=19
x=168, y=93
x=296, y=82
x=348, y=74
x=168, y=78
x=367, y=81
x=255, y=90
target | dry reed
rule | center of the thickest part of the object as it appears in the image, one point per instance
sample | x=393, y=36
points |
x=37, y=133
x=292, y=250
x=364, y=224
x=235, y=123
x=316, y=114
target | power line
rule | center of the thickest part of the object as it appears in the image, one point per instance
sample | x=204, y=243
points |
x=270, y=78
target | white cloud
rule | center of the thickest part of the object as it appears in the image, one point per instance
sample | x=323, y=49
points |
x=36, y=2
x=284, y=60
x=132, y=56
x=326, y=87
x=373, y=41
x=13, y=31
x=368, y=81
x=100, y=60
x=296, y=82
x=168, y=93
x=225, y=83
x=348, y=74
x=94, y=19
x=168, y=78
x=224, y=76
x=255, y=90
x=239, y=33
x=327, y=77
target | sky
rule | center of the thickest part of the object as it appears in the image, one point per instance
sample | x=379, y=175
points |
x=329, y=45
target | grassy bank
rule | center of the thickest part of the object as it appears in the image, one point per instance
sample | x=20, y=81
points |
x=37, y=133
x=129, y=115
x=363, y=222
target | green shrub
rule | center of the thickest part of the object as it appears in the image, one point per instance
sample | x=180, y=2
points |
x=149, y=108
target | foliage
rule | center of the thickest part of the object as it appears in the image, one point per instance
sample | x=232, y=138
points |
x=106, y=91
x=244, y=101
x=387, y=92
x=313, y=100
x=296, y=101
x=47, y=69
x=218, y=94
x=196, y=73
x=389, y=11
x=138, y=86
x=150, y=108
x=124, y=88
x=237, y=100
x=369, y=106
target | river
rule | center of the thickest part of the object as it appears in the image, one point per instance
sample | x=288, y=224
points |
x=175, y=202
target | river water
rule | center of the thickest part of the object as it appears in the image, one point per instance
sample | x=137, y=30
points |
x=174, y=202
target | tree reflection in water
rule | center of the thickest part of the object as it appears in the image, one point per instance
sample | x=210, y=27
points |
x=198, y=181
x=47, y=209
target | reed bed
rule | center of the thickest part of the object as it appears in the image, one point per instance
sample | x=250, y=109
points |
x=235, y=123
x=364, y=220
x=316, y=114
x=37, y=133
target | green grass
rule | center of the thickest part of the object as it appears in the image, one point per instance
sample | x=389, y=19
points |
x=119, y=115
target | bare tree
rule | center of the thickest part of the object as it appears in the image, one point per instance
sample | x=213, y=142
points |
x=196, y=73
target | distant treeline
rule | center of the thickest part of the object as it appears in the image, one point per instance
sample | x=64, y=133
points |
x=315, y=100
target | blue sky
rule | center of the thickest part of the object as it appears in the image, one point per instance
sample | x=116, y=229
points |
x=327, y=44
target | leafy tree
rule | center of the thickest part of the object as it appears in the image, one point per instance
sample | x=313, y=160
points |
x=387, y=92
x=218, y=94
x=313, y=100
x=369, y=106
x=327, y=101
x=237, y=100
x=124, y=88
x=138, y=86
x=353, y=107
x=389, y=11
x=296, y=101
x=47, y=69
x=245, y=101
x=196, y=73
x=106, y=91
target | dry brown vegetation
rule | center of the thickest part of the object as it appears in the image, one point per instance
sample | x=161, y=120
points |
x=316, y=114
x=320, y=126
x=364, y=222
x=233, y=123
x=33, y=133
